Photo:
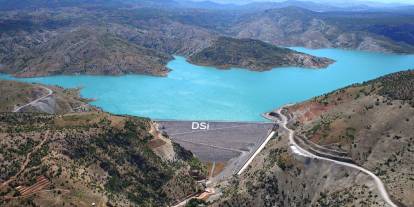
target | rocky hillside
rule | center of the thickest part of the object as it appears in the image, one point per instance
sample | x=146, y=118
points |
x=76, y=40
x=84, y=51
x=370, y=123
x=84, y=158
x=80, y=155
x=294, y=26
x=255, y=55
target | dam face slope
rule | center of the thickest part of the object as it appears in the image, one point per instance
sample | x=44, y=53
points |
x=227, y=144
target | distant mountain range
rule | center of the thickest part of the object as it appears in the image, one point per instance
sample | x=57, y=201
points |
x=215, y=5
x=319, y=5
x=311, y=5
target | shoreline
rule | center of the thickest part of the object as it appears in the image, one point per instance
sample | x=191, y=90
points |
x=198, y=93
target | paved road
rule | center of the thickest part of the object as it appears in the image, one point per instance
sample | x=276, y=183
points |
x=49, y=92
x=298, y=150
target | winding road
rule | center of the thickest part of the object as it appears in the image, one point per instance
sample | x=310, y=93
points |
x=49, y=92
x=300, y=151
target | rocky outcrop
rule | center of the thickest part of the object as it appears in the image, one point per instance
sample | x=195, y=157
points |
x=308, y=61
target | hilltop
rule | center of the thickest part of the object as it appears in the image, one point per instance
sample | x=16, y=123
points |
x=255, y=55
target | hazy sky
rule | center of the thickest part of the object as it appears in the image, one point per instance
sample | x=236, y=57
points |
x=323, y=1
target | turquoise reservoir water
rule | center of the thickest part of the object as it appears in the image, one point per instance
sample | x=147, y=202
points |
x=203, y=93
